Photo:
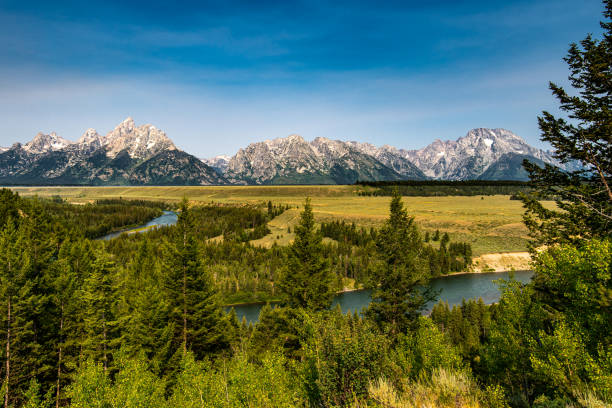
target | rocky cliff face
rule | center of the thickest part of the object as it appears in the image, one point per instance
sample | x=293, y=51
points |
x=126, y=155
x=139, y=142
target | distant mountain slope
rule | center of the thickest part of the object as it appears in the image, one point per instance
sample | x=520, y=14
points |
x=509, y=167
x=392, y=158
x=132, y=155
x=219, y=163
x=292, y=160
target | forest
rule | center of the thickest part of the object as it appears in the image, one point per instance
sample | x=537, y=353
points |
x=139, y=321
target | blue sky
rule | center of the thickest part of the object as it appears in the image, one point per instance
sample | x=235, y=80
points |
x=219, y=75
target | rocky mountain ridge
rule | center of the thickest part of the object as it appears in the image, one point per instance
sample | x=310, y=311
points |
x=293, y=160
x=469, y=156
x=131, y=154
x=128, y=154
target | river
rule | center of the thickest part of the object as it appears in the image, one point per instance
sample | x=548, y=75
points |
x=167, y=218
x=453, y=289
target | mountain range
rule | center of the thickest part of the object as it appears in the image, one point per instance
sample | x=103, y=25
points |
x=488, y=154
x=144, y=155
x=128, y=155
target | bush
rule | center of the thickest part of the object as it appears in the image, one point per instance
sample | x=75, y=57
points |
x=344, y=354
x=425, y=350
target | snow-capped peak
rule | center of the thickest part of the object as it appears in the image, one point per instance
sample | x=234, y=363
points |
x=470, y=155
x=139, y=142
x=43, y=143
x=218, y=163
x=89, y=136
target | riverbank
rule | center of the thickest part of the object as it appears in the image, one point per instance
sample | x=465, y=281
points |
x=500, y=262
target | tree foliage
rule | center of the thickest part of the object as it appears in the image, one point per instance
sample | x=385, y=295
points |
x=581, y=139
x=401, y=292
x=307, y=282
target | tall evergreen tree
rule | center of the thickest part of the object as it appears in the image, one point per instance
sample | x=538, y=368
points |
x=75, y=264
x=145, y=326
x=65, y=296
x=307, y=280
x=11, y=263
x=99, y=299
x=195, y=311
x=9, y=204
x=584, y=196
x=398, y=297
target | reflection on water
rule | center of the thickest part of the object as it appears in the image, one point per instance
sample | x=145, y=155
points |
x=453, y=289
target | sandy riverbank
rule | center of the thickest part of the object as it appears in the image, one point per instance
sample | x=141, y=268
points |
x=500, y=262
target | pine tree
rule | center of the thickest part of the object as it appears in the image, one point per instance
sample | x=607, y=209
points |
x=198, y=318
x=584, y=196
x=145, y=325
x=66, y=284
x=398, y=299
x=307, y=280
x=99, y=298
x=11, y=263
x=9, y=205
x=444, y=241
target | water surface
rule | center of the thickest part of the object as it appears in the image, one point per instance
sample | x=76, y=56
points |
x=453, y=289
x=167, y=218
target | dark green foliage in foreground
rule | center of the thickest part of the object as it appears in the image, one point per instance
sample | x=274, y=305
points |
x=194, y=309
x=342, y=355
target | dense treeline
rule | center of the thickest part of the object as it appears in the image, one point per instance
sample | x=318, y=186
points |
x=103, y=216
x=448, y=257
x=342, y=231
x=425, y=188
x=468, y=325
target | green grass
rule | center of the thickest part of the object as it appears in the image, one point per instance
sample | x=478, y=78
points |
x=490, y=224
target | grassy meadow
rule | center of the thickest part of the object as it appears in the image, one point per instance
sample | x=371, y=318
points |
x=490, y=223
